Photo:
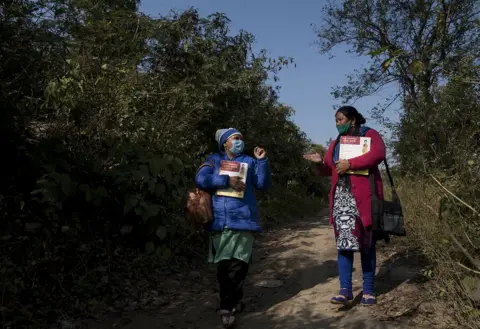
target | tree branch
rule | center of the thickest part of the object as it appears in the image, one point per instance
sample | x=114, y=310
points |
x=467, y=268
x=455, y=197
x=450, y=234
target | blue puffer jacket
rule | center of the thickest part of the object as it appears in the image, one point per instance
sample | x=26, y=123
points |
x=228, y=212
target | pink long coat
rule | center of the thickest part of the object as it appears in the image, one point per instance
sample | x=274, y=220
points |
x=360, y=184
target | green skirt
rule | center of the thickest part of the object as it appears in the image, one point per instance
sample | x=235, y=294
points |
x=230, y=244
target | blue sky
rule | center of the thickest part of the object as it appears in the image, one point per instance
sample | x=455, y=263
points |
x=283, y=28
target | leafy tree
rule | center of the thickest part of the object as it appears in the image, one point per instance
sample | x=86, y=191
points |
x=107, y=113
x=429, y=51
x=414, y=45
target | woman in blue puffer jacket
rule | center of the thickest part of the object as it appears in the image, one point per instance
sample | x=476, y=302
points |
x=235, y=214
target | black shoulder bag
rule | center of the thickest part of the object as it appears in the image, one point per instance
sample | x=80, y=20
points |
x=387, y=216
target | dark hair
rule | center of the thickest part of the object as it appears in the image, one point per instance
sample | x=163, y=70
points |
x=351, y=113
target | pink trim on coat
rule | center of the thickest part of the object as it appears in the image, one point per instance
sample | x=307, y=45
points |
x=360, y=184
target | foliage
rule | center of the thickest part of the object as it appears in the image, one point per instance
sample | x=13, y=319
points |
x=429, y=51
x=107, y=113
x=445, y=135
x=449, y=236
x=413, y=45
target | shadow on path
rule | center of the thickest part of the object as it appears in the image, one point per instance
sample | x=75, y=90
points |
x=302, y=257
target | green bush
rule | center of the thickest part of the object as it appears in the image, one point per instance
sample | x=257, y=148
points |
x=107, y=114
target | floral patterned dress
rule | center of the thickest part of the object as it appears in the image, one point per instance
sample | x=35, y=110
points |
x=347, y=224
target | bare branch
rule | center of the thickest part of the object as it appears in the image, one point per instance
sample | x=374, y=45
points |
x=451, y=235
x=468, y=268
x=455, y=197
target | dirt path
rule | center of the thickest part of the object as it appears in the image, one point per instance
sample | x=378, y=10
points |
x=303, y=258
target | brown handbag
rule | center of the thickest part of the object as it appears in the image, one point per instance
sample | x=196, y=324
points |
x=199, y=205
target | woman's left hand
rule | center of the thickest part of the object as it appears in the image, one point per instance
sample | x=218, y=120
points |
x=259, y=153
x=342, y=166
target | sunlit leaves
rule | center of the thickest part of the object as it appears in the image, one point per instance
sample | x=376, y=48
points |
x=108, y=115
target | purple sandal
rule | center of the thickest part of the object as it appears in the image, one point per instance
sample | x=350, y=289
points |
x=368, y=300
x=343, y=298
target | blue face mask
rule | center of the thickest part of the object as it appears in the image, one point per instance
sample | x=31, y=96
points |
x=237, y=147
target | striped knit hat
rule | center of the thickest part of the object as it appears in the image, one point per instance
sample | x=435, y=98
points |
x=222, y=135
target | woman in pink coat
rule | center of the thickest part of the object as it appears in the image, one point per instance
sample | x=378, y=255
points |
x=350, y=203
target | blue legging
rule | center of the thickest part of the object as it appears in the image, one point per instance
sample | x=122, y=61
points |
x=345, y=269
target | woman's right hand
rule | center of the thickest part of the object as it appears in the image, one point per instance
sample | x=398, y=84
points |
x=313, y=157
x=237, y=184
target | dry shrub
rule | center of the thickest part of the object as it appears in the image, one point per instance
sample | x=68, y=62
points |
x=441, y=233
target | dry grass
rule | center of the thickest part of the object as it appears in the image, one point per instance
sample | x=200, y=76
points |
x=446, y=236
